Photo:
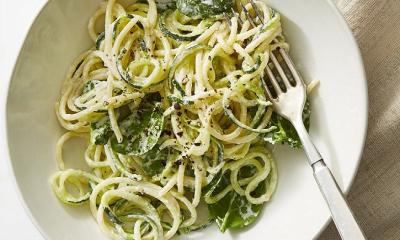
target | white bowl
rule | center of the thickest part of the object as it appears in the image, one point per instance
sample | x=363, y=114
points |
x=323, y=48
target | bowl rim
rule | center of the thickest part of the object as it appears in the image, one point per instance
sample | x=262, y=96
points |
x=10, y=168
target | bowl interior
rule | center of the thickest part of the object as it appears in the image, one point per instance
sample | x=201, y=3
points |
x=323, y=49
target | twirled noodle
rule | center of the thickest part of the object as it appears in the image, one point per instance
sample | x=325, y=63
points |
x=214, y=114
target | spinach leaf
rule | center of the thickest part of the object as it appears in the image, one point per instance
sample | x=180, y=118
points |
x=285, y=132
x=141, y=131
x=204, y=8
x=233, y=210
x=100, y=131
x=247, y=171
x=154, y=161
x=239, y=212
x=218, y=183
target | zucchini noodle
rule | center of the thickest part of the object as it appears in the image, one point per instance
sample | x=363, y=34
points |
x=173, y=112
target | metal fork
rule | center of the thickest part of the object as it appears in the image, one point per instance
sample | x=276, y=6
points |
x=286, y=90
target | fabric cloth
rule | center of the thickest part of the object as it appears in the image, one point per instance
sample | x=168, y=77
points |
x=375, y=194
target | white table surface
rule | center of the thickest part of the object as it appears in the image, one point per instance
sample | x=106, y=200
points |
x=15, y=19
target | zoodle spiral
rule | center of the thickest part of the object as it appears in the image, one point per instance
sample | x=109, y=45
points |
x=174, y=114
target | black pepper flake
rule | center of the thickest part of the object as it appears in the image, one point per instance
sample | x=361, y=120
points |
x=177, y=106
x=209, y=58
x=179, y=114
x=180, y=134
x=197, y=144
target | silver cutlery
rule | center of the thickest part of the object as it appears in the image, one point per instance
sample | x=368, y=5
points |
x=286, y=90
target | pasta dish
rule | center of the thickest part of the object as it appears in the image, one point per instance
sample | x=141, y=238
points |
x=171, y=103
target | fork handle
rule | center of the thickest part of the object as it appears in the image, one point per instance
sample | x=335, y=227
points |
x=341, y=213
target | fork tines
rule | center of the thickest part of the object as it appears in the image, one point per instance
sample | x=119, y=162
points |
x=280, y=72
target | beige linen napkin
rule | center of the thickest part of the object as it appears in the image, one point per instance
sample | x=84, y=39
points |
x=375, y=195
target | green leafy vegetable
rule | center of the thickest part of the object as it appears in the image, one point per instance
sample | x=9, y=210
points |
x=247, y=171
x=204, y=8
x=154, y=161
x=285, y=132
x=141, y=131
x=100, y=131
x=233, y=210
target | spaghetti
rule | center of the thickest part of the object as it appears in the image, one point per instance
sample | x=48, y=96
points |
x=174, y=113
